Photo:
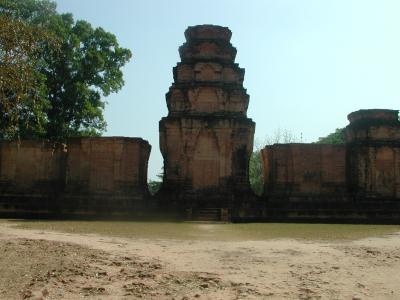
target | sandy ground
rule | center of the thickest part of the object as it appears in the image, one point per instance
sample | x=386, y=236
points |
x=36, y=264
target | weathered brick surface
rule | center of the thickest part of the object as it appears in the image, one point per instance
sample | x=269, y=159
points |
x=107, y=173
x=355, y=182
x=367, y=167
x=29, y=166
x=304, y=170
x=89, y=175
x=206, y=139
x=373, y=141
x=31, y=175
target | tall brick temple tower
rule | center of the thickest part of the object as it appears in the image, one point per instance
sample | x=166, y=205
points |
x=206, y=139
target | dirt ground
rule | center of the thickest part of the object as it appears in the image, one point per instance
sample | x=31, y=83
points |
x=41, y=264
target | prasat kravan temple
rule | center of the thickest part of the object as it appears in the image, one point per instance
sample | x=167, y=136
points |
x=206, y=141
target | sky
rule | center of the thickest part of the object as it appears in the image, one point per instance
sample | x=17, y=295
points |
x=309, y=63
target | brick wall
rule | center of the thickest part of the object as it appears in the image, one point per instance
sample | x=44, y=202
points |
x=88, y=175
x=304, y=170
x=106, y=173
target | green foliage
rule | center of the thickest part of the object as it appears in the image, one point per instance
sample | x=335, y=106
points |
x=335, y=138
x=155, y=185
x=34, y=12
x=256, y=173
x=87, y=67
x=22, y=88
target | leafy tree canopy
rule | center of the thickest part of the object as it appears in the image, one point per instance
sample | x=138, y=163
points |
x=335, y=138
x=86, y=68
x=155, y=185
x=22, y=99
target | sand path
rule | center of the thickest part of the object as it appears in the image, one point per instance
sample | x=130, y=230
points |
x=189, y=269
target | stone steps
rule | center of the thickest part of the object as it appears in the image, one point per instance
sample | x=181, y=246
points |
x=206, y=214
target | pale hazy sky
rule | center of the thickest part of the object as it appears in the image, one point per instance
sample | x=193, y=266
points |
x=308, y=62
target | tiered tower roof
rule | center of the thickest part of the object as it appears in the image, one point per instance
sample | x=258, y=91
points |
x=207, y=81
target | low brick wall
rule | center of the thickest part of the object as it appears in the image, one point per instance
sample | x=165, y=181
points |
x=88, y=176
x=304, y=170
x=31, y=176
x=358, y=181
x=106, y=174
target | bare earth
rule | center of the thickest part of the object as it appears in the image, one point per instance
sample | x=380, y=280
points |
x=38, y=264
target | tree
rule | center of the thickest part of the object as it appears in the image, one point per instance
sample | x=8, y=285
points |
x=335, y=138
x=87, y=67
x=155, y=185
x=256, y=165
x=22, y=87
x=256, y=172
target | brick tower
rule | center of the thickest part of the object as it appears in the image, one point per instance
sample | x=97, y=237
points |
x=206, y=139
x=373, y=154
